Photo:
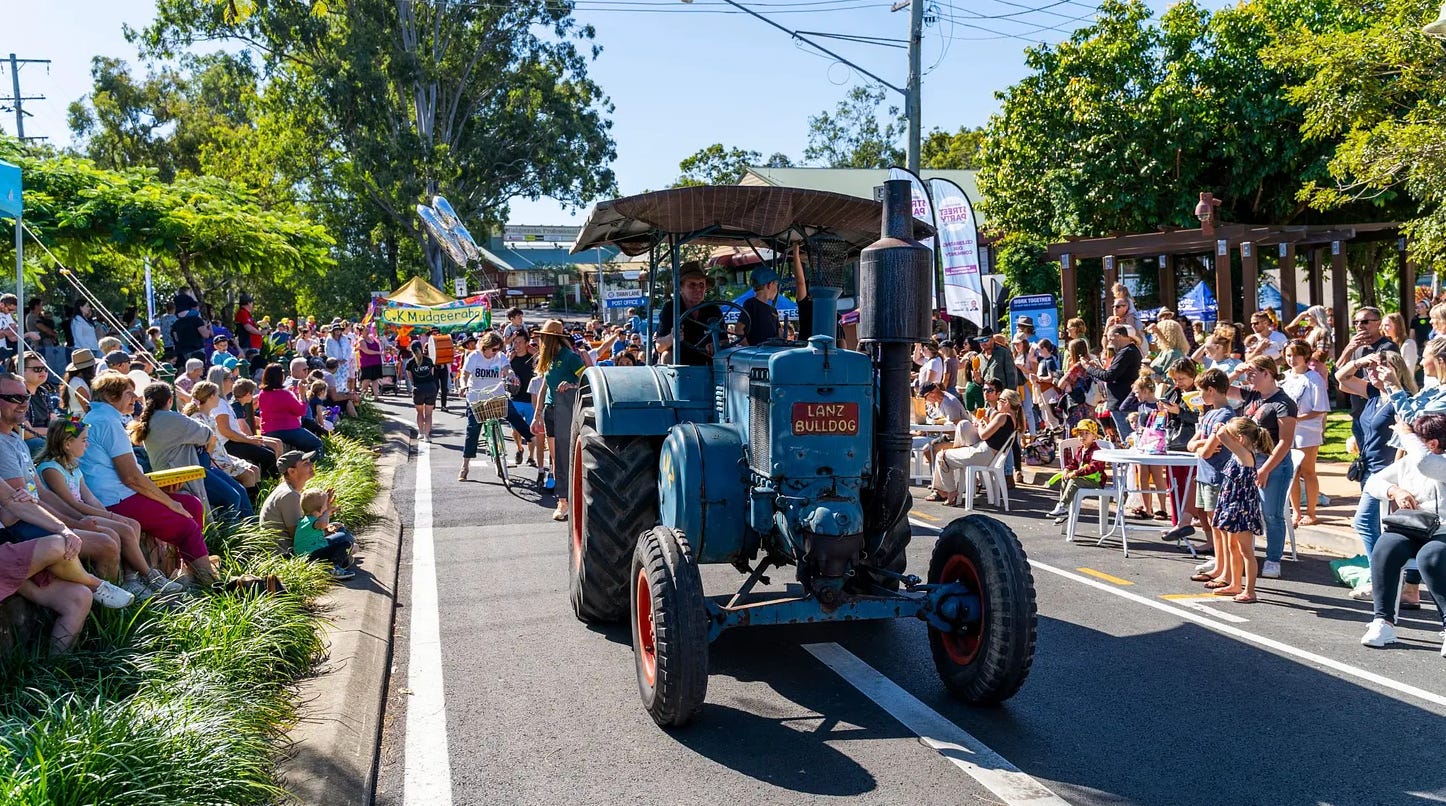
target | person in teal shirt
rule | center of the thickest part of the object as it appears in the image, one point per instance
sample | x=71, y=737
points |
x=318, y=539
x=561, y=368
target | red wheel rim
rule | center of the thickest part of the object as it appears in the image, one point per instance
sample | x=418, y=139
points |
x=574, y=483
x=964, y=647
x=647, y=649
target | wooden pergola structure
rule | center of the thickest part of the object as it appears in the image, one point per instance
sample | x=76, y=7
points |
x=1287, y=243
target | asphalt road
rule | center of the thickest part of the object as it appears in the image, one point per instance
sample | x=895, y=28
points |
x=1133, y=698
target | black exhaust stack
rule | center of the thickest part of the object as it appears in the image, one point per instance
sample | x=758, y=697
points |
x=895, y=273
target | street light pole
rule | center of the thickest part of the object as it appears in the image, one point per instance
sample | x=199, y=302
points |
x=911, y=92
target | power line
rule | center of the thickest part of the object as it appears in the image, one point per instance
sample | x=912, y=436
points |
x=17, y=101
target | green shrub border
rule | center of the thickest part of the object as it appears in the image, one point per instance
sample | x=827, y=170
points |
x=186, y=702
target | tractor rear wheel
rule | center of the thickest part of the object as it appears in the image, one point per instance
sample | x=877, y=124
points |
x=986, y=661
x=670, y=627
x=614, y=498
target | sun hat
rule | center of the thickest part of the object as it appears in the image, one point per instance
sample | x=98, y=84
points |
x=1025, y=321
x=1086, y=425
x=81, y=359
x=552, y=327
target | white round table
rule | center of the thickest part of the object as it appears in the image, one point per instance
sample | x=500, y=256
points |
x=1121, y=460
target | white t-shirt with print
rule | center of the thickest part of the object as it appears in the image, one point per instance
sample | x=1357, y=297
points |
x=486, y=377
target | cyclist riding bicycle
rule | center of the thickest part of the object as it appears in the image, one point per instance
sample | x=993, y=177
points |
x=486, y=373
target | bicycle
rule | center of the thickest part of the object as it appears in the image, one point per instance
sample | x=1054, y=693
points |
x=492, y=412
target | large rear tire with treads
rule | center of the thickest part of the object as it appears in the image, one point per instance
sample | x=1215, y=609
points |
x=613, y=499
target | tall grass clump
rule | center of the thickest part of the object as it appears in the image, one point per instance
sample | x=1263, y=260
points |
x=182, y=702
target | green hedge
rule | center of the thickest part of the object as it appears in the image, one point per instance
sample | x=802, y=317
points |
x=185, y=702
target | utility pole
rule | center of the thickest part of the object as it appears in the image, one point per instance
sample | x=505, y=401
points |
x=913, y=94
x=19, y=100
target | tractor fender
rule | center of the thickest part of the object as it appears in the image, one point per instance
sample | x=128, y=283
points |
x=647, y=401
x=702, y=491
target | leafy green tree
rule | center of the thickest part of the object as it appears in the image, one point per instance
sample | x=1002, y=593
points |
x=1120, y=127
x=851, y=136
x=1370, y=84
x=943, y=151
x=717, y=165
x=483, y=102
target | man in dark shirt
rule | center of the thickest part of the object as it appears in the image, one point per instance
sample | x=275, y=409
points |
x=188, y=334
x=762, y=323
x=1123, y=371
x=1420, y=324
x=696, y=348
x=998, y=364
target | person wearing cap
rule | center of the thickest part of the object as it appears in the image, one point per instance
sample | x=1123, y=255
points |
x=696, y=348
x=1082, y=471
x=246, y=328
x=118, y=361
x=762, y=307
x=282, y=508
x=75, y=392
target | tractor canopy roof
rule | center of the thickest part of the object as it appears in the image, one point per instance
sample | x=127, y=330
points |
x=727, y=214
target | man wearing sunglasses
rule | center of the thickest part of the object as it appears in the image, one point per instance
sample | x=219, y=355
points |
x=1368, y=340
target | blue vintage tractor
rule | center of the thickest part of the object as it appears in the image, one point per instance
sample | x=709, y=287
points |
x=782, y=454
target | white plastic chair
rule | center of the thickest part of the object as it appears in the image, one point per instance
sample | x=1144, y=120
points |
x=996, y=489
x=1105, y=494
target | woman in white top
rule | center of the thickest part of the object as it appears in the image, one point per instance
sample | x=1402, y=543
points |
x=205, y=406
x=485, y=373
x=1308, y=389
x=931, y=367
x=75, y=394
x=83, y=334
x=1393, y=325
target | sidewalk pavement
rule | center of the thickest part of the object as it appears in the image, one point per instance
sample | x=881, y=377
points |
x=1332, y=536
x=333, y=754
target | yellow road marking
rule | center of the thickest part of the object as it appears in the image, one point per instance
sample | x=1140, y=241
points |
x=1102, y=575
x=916, y=513
x=1182, y=597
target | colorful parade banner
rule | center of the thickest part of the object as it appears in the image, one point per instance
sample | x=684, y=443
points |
x=959, y=251
x=472, y=313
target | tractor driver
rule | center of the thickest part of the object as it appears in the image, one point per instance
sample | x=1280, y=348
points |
x=693, y=286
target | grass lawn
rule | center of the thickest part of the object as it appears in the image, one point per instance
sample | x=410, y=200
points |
x=1337, y=431
x=187, y=701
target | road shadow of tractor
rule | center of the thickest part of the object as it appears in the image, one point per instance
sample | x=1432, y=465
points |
x=791, y=738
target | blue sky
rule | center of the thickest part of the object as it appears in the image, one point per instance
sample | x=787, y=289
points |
x=680, y=76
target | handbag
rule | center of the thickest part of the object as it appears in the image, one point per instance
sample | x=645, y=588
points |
x=1416, y=525
x=1152, y=438
x=1357, y=470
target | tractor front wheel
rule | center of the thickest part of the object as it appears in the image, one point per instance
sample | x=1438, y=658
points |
x=986, y=661
x=670, y=627
x=614, y=498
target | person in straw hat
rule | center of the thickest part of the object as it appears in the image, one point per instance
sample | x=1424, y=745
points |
x=560, y=367
x=75, y=393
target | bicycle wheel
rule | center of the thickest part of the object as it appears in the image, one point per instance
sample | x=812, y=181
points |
x=498, y=449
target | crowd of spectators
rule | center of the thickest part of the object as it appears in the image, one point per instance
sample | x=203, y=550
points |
x=88, y=412
x=1251, y=399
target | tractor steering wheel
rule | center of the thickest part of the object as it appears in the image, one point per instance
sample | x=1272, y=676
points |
x=716, y=328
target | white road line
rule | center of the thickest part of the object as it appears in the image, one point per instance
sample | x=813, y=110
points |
x=1220, y=614
x=952, y=742
x=1398, y=687
x=427, y=777
x=1250, y=637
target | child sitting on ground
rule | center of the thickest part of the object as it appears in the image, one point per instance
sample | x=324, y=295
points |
x=317, y=538
x=1214, y=387
x=1082, y=469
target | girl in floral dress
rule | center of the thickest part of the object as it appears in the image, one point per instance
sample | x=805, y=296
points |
x=1238, y=512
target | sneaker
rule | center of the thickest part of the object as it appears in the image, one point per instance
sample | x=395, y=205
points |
x=135, y=586
x=1057, y=511
x=1362, y=593
x=1207, y=567
x=517, y=459
x=1270, y=570
x=1380, y=633
x=1178, y=533
x=1062, y=518
x=108, y=595
x=160, y=583
x=559, y=514
x=531, y=462
x=338, y=573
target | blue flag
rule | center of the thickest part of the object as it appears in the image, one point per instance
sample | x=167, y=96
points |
x=10, y=197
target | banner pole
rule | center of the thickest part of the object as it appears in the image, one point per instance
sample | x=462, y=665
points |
x=19, y=285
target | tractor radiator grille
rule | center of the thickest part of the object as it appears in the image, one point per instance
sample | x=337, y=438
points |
x=760, y=394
